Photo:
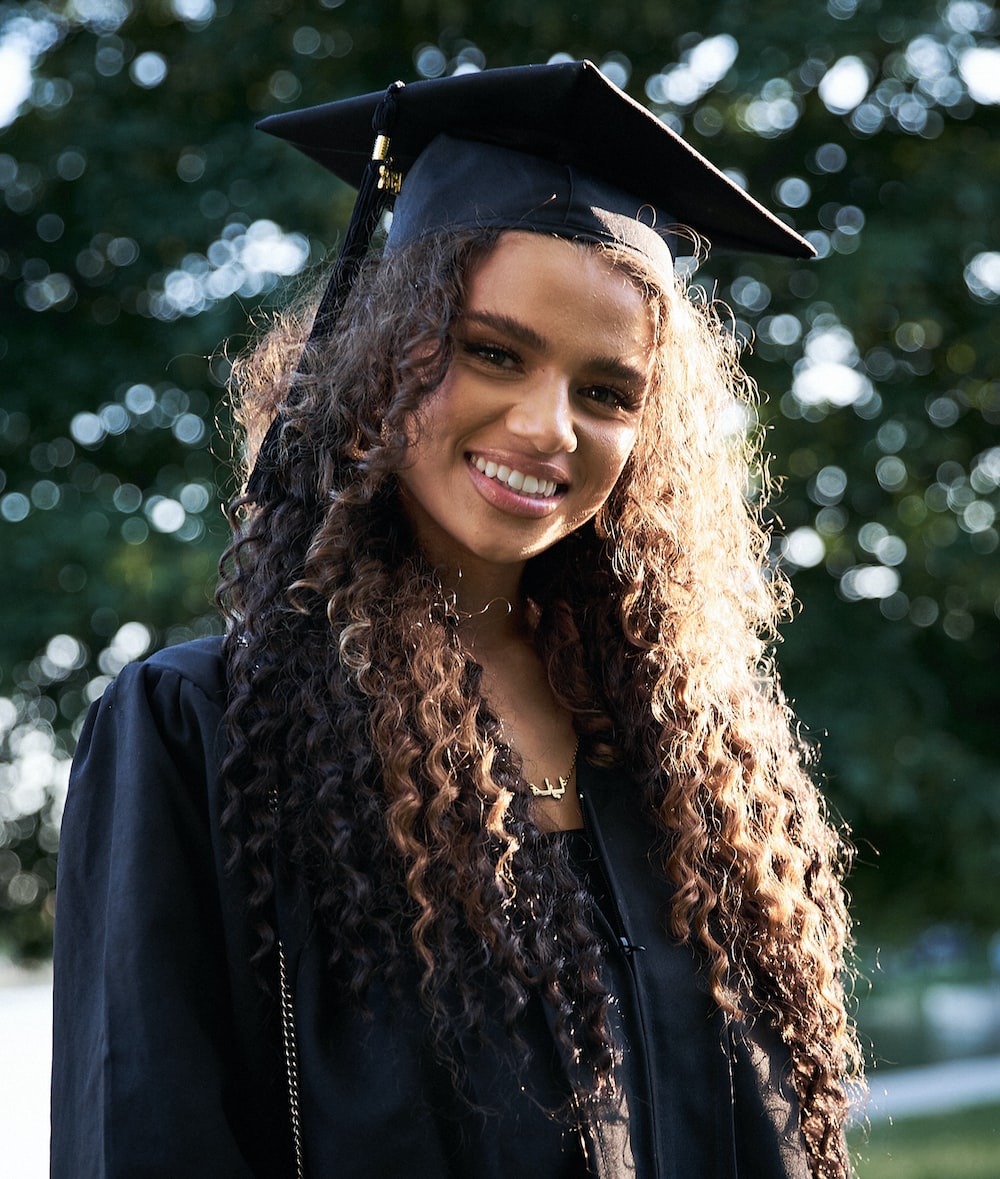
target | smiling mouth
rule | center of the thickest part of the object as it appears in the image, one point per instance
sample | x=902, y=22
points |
x=514, y=479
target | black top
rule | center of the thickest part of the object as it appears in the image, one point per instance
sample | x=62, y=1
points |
x=167, y=1052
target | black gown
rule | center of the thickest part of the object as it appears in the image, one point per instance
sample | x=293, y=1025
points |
x=167, y=1051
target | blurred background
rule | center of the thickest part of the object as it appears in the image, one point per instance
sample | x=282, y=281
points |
x=144, y=222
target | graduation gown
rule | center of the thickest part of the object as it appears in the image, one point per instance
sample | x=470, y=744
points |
x=168, y=1056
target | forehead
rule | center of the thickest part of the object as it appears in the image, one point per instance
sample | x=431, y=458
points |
x=521, y=263
x=564, y=292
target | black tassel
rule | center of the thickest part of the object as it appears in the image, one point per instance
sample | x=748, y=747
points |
x=379, y=185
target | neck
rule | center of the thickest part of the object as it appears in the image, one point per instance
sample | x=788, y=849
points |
x=489, y=603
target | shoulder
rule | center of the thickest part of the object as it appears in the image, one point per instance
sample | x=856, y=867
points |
x=171, y=702
x=148, y=753
x=191, y=674
x=198, y=663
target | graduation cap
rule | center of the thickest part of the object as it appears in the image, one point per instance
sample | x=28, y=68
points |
x=555, y=149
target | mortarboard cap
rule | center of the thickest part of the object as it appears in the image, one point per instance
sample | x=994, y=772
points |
x=552, y=148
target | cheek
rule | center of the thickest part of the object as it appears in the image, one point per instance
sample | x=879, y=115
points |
x=422, y=427
x=622, y=472
x=618, y=475
x=622, y=452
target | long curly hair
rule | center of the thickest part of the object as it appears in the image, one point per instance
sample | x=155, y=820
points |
x=399, y=803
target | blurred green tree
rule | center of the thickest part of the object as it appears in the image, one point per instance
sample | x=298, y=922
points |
x=145, y=220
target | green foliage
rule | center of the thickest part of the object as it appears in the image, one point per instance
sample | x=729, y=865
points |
x=145, y=219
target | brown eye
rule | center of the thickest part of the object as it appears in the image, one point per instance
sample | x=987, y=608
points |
x=606, y=395
x=492, y=354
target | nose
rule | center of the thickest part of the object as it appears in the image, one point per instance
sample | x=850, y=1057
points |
x=542, y=415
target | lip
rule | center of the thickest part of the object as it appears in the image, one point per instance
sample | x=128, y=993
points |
x=543, y=471
x=501, y=496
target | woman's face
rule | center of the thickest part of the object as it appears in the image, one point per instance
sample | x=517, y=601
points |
x=529, y=431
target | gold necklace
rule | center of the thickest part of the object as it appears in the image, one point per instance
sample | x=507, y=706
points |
x=558, y=789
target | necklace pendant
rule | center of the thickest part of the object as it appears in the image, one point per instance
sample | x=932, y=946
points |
x=561, y=783
x=549, y=790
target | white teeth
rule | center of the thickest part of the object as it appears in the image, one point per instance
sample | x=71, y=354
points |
x=516, y=480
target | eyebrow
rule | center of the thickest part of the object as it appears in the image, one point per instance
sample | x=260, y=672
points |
x=612, y=367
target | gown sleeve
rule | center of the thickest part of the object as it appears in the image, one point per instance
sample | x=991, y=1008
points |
x=769, y=1140
x=165, y=1061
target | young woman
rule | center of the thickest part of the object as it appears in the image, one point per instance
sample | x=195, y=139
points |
x=482, y=844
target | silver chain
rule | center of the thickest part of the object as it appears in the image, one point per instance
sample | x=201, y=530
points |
x=288, y=1039
x=291, y=1059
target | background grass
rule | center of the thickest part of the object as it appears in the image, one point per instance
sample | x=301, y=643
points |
x=963, y=1144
